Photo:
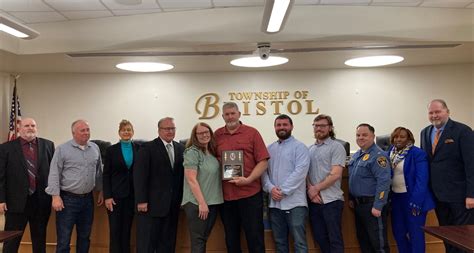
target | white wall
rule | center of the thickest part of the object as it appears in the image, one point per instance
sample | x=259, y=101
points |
x=384, y=97
x=6, y=89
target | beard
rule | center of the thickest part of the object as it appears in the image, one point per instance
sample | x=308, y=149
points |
x=321, y=135
x=29, y=136
x=283, y=134
x=232, y=124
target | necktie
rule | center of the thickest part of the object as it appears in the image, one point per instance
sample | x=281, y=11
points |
x=31, y=169
x=169, y=148
x=435, y=141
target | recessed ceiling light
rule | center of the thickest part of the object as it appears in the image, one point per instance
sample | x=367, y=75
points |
x=257, y=62
x=144, y=66
x=374, y=61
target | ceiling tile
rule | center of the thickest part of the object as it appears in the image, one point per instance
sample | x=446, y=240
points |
x=446, y=3
x=184, y=4
x=23, y=5
x=38, y=16
x=346, y=2
x=76, y=5
x=406, y=3
x=86, y=14
x=134, y=12
x=144, y=5
x=238, y=3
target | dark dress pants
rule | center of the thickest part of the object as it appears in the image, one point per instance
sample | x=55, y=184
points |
x=326, y=223
x=120, y=225
x=37, y=214
x=453, y=213
x=246, y=213
x=199, y=230
x=157, y=234
x=371, y=231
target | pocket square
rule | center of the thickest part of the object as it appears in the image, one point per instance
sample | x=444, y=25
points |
x=447, y=141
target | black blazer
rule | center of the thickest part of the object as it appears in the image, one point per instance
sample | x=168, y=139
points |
x=14, y=182
x=452, y=164
x=156, y=183
x=117, y=178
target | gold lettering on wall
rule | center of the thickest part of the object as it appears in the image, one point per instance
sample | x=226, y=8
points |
x=258, y=103
x=210, y=102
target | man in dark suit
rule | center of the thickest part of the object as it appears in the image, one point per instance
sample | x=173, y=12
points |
x=450, y=146
x=24, y=169
x=158, y=179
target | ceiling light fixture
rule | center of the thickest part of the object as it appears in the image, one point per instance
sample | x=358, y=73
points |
x=275, y=15
x=258, y=62
x=144, y=66
x=374, y=61
x=16, y=29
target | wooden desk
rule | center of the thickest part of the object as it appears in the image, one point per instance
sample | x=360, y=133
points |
x=459, y=236
x=7, y=235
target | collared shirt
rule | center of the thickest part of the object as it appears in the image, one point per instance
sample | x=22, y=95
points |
x=208, y=176
x=166, y=143
x=370, y=175
x=323, y=156
x=74, y=169
x=287, y=169
x=249, y=140
x=433, y=132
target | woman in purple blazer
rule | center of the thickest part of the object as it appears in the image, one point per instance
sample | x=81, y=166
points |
x=411, y=196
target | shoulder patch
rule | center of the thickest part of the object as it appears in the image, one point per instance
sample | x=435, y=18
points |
x=366, y=157
x=382, y=161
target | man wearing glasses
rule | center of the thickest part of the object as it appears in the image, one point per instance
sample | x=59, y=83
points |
x=158, y=179
x=326, y=200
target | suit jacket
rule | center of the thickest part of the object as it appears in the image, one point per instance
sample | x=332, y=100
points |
x=416, y=174
x=452, y=164
x=117, y=178
x=14, y=182
x=156, y=182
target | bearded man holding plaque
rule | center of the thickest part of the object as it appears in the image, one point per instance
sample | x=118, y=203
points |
x=243, y=201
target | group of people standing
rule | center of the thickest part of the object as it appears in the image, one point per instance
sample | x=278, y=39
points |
x=152, y=181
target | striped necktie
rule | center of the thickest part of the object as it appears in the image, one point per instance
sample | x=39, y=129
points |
x=435, y=141
x=32, y=170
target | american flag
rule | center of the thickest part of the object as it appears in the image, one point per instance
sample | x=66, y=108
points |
x=15, y=115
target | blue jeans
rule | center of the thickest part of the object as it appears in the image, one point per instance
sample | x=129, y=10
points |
x=292, y=221
x=77, y=211
x=326, y=225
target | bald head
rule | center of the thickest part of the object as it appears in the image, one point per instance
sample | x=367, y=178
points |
x=28, y=130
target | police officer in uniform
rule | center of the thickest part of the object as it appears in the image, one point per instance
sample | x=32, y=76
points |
x=369, y=184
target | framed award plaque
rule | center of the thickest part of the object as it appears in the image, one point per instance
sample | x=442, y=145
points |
x=232, y=164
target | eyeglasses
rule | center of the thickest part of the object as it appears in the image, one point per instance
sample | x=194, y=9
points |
x=169, y=129
x=320, y=126
x=203, y=133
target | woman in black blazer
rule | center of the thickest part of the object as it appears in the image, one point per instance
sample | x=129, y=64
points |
x=118, y=188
